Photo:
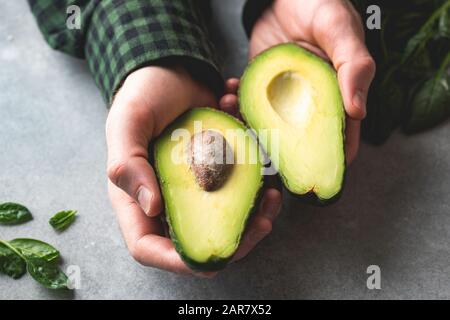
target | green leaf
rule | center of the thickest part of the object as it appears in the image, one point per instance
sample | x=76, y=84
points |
x=14, y=213
x=419, y=67
x=34, y=256
x=426, y=32
x=444, y=24
x=35, y=248
x=63, y=219
x=431, y=102
x=47, y=274
x=11, y=263
x=416, y=43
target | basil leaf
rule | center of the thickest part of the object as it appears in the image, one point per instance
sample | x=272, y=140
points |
x=63, y=219
x=47, y=274
x=14, y=213
x=11, y=263
x=35, y=248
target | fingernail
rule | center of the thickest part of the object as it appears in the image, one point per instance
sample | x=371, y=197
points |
x=144, y=197
x=359, y=100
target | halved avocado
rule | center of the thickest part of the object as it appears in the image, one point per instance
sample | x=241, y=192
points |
x=206, y=217
x=288, y=89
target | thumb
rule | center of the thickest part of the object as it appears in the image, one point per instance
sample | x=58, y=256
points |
x=137, y=178
x=128, y=133
x=341, y=36
x=354, y=78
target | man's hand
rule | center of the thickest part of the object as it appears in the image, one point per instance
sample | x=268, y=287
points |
x=149, y=100
x=333, y=30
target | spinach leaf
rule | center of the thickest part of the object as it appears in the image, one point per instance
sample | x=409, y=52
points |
x=38, y=258
x=430, y=104
x=47, y=274
x=427, y=32
x=63, y=219
x=14, y=213
x=414, y=39
x=444, y=25
x=35, y=248
x=11, y=263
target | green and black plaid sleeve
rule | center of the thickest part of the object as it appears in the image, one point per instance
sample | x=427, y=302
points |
x=119, y=36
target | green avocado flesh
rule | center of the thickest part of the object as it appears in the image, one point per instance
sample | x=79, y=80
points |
x=291, y=90
x=206, y=226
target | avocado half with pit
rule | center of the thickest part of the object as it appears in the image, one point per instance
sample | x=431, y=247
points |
x=295, y=95
x=210, y=174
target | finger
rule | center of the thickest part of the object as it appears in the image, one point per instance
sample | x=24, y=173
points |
x=228, y=103
x=232, y=85
x=352, y=137
x=261, y=224
x=159, y=252
x=144, y=235
x=128, y=135
x=339, y=32
x=354, y=80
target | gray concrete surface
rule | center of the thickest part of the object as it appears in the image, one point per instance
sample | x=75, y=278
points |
x=395, y=211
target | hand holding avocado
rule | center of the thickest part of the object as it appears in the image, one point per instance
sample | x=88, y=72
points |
x=332, y=30
x=316, y=110
x=150, y=99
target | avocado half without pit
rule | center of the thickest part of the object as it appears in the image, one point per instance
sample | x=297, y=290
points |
x=210, y=174
x=295, y=94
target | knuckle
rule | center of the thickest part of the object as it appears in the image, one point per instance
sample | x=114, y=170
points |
x=274, y=195
x=134, y=253
x=368, y=62
x=370, y=65
x=264, y=226
x=115, y=170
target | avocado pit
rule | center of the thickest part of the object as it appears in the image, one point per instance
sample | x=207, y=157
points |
x=210, y=159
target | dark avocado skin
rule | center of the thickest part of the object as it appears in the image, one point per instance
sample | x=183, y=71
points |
x=214, y=263
x=312, y=199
